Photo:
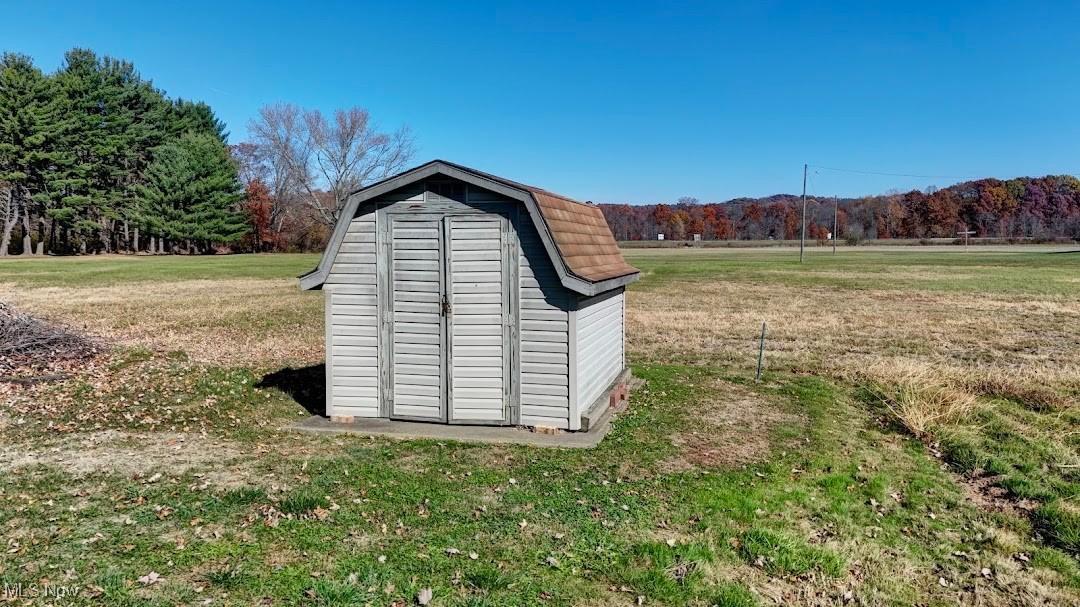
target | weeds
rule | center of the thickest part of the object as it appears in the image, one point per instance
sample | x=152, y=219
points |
x=916, y=397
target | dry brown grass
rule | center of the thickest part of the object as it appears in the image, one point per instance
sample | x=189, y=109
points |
x=850, y=327
x=1025, y=349
x=230, y=322
x=732, y=431
x=916, y=395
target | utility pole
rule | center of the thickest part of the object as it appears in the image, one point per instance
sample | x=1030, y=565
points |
x=802, y=238
x=834, y=207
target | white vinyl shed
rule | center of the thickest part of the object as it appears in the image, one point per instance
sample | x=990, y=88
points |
x=459, y=297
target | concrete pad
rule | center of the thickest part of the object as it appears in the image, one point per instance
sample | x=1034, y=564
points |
x=595, y=423
x=365, y=426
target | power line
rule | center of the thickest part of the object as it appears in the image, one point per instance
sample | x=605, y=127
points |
x=861, y=172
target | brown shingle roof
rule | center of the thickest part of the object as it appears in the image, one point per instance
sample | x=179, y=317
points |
x=580, y=231
x=582, y=236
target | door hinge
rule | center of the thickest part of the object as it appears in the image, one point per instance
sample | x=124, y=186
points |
x=388, y=316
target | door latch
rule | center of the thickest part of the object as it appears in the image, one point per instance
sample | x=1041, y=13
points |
x=447, y=309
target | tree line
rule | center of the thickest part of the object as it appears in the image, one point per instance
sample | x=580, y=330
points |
x=1026, y=207
x=94, y=158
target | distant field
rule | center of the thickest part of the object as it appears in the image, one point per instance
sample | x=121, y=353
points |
x=913, y=441
x=892, y=243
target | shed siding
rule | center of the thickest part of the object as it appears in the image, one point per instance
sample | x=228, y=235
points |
x=543, y=322
x=352, y=361
x=599, y=343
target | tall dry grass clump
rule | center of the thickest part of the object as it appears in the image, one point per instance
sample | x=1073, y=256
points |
x=917, y=396
x=1037, y=388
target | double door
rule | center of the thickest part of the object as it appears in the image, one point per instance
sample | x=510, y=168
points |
x=449, y=306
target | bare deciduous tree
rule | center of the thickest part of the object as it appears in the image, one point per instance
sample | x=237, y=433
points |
x=320, y=159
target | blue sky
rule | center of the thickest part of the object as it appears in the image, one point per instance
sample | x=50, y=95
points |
x=632, y=101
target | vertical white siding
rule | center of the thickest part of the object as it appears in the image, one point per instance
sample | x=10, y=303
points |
x=599, y=344
x=545, y=363
x=352, y=358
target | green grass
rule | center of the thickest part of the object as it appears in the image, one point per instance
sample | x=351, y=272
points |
x=836, y=499
x=1019, y=272
x=117, y=269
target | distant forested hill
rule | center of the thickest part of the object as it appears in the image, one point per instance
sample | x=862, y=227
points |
x=1030, y=207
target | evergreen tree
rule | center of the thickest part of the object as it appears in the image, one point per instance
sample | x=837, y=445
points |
x=27, y=114
x=195, y=117
x=192, y=193
x=79, y=133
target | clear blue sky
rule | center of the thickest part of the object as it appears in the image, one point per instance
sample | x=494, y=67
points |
x=631, y=101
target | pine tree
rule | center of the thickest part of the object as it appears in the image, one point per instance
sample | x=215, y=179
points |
x=79, y=87
x=192, y=193
x=195, y=117
x=26, y=117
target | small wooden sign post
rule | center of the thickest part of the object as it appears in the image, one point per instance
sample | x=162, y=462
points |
x=965, y=234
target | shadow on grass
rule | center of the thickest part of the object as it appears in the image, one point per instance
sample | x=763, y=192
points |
x=306, y=385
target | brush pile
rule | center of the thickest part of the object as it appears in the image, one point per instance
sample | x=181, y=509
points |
x=28, y=343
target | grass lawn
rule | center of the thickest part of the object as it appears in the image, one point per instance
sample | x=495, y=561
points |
x=913, y=441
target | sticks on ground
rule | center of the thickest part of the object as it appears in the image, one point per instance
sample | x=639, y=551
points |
x=25, y=340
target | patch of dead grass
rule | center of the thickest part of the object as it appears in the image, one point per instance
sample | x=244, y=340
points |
x=730, y=430
x=227, y=322
x=917, y=396
x=848, y=328
x=219, y=463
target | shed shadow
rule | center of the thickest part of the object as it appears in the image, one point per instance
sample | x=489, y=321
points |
x=306, y=385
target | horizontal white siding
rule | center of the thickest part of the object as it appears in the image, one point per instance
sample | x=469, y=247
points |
x=544, y=320
x=416, y=270
x=599, y=346
x=478, y=291
x=352, y=359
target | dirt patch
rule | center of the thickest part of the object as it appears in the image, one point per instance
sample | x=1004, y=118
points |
x=733, y=429
x=218, y=463
x=984, y=493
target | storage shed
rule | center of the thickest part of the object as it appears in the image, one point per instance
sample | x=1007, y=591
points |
x=458, y=297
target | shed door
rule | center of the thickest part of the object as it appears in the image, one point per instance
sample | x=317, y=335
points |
x=451, y=324
x=477, y=263
x=418, y=327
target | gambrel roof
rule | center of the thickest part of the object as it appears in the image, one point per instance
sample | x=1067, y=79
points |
x=575, y=235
